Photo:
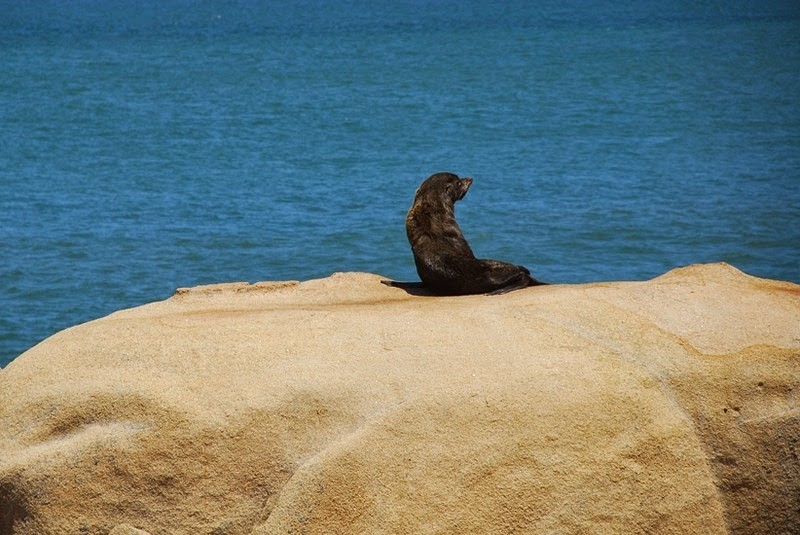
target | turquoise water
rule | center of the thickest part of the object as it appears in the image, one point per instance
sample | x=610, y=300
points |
x=147, y=146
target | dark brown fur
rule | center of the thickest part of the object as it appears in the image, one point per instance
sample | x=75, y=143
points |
x=445, y=262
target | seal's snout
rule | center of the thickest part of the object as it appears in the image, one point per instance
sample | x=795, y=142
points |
x=464, y=184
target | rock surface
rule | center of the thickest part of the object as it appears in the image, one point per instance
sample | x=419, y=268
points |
x=342, y=405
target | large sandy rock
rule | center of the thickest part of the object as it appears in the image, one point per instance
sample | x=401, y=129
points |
x=345, y=406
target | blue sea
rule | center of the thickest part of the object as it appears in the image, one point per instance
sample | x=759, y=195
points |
x=151, y=145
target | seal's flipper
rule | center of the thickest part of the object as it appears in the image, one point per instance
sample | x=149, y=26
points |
x=398, y=284
x=411, y=288
x=405, y=285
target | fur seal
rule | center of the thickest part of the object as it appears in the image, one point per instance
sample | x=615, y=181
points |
x=444, y=260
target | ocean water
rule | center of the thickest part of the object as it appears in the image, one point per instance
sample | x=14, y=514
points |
x=146, y=146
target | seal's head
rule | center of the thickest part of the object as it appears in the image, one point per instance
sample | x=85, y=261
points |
x=442, y=187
